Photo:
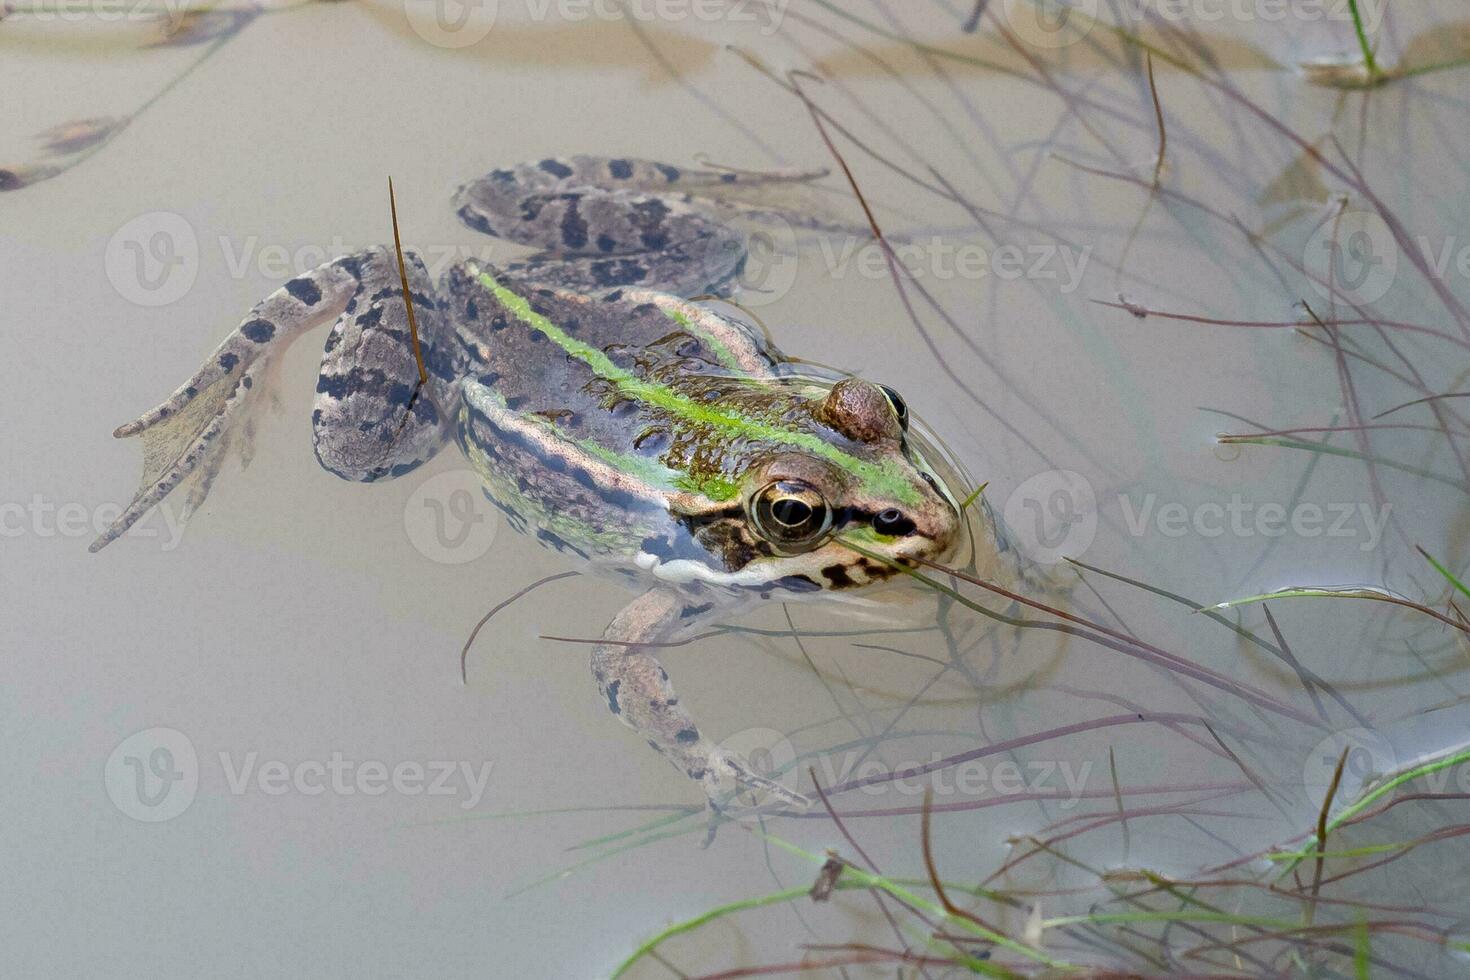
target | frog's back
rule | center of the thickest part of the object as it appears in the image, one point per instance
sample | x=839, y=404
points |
x=566, y=402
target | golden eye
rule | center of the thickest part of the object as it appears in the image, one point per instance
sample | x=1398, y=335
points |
x=791, y=515
x=900, y=407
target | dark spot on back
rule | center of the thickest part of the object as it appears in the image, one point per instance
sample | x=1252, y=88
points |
x=621, y=169
x=475, y=220
x=573, y=227
x=259, y=331
x=304, y=290
x=556, y=168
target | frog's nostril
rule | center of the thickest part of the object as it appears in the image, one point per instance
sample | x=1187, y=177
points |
x=893, y=523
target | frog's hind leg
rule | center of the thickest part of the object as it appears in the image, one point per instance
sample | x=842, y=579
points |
x=636, y=689
x=186, y=438
x=373, y=419
x=594, y=240
x=603, y=223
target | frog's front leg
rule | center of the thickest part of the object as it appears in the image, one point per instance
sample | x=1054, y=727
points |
x=637, y=690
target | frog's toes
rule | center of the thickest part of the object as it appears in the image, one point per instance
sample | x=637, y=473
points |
x=186, y=438
x=728, y=774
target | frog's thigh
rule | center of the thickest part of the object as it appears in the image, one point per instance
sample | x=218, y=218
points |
x=372, y=417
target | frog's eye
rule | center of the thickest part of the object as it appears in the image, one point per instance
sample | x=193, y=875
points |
x=900, y=407
x=791, y=515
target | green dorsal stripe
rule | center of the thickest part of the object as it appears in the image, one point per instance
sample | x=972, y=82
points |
x=885, y=479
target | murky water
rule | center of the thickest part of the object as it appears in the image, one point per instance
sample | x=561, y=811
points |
x=313, y=791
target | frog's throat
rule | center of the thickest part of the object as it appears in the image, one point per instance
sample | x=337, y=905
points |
x=884, y=479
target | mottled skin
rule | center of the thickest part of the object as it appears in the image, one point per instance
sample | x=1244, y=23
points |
x=608, y=416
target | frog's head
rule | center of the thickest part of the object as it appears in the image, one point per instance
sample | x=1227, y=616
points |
x=860, y=474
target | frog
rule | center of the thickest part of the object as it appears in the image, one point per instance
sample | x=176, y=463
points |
x=612, y=407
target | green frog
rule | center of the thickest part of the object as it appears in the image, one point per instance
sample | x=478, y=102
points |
x=608, y=413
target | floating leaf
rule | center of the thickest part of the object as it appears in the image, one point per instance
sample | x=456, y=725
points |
x=80, y=134
x=14, y=178
x=199, y=26
x=1345, y=70
x=1439, y=47
x=1298, y=182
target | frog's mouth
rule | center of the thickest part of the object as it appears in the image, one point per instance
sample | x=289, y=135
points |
x=930, y=453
